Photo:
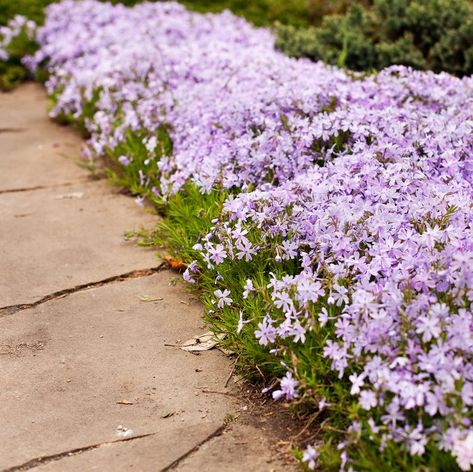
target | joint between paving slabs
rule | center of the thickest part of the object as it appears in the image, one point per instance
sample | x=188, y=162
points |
x=43, y=460
x=12, y=130
x=134, y=274
x=45, y=187
x=218, y=432
x=38, y=461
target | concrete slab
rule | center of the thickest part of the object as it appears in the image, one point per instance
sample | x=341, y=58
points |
x=33, y=150
x=240, y=448
x=256, y=441
x=78, y=368
x=51, y=240
x=151, y=454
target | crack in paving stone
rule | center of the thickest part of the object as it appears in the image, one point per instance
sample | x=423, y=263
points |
x=12, y=130
x=174, y=464
x=26, y=189
x=134, y=274
x=72, y=452
x=44, y=187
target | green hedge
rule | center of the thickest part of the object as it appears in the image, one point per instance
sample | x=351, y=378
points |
x=425, y=34
x=33, y=9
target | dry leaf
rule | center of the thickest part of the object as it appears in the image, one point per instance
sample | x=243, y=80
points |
x=175, y=264
x=227, y=352
x=168, y=414
x=65, y=196
x=204, y=342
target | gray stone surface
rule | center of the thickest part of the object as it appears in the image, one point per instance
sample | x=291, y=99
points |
x=32, y=150
x=49, y=242
x=69, y=362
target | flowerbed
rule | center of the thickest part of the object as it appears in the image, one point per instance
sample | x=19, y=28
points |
x=326, y=216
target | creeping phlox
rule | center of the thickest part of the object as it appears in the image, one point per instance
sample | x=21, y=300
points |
x=12, y=30
x=364, y=182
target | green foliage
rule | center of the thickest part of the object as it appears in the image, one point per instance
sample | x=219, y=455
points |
x=424, y=34
x=266, y=12
x=262, y=12
x=12, y=72
x=33, y=9
x=11, y=75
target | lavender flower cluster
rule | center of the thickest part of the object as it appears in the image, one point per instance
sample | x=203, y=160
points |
x=364, y=182
x=13, y=29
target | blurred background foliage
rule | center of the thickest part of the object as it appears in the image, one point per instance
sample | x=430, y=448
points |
x=33, y=9
x=424, y=34
x=259, y=12
x=297, y=13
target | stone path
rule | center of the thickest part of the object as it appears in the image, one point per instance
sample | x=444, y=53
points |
x=87, y=382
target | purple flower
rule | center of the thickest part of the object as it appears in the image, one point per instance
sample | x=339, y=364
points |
x=218, y=253
x=463, y=451
x=241, y=322
x=140, y=200
x=357, y=382
x=188, y=277
x=266, y=333
x=310, y=456
x=124, y=160
x=368, y=399
x=322, y=403
x=249, y=287
x=288, y=388
x=246, y=249
x=223, y=298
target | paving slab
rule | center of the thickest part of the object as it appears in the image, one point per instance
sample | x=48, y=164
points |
x=254, y=441
x=152, y=454
x=241, y=447
x=57, y=238
x=93, y=368
x=34, y=151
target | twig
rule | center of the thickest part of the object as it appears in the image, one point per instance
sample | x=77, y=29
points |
x=306, y=427
x=219, y=392
x=231, y=372
x=261, y=373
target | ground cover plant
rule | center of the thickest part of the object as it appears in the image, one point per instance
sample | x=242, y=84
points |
x=425, y=34
x=326, y=217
